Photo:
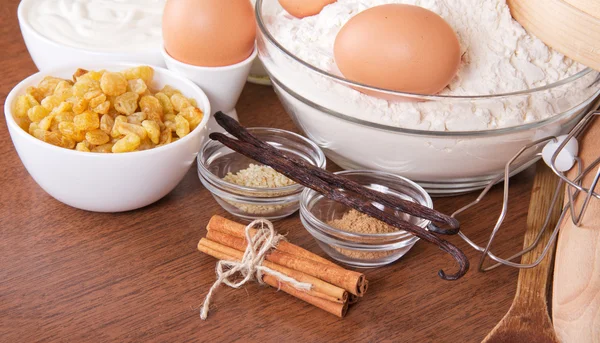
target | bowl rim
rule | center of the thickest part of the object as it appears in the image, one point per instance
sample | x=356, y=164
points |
x=288, y=190
x=19, y=89
x=499, y=131
x=324, y=227
x=190, y=67
x=24, y=23
x=442, y=134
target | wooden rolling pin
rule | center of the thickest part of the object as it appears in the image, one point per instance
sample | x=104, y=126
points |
x=576, y=293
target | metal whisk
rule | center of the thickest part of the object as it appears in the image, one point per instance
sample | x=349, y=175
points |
x=560, y=153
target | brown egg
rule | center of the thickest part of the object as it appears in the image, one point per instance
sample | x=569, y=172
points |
x=209, y=33
x=398, y=47
x=304, y=8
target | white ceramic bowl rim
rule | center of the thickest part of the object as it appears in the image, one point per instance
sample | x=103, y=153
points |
x=310, y=193
x=25, y=23
x=287, y=190
x=19, y=89
x=183, y=65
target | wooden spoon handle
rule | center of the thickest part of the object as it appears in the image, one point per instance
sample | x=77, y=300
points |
x=533, y=282
x=527, y=319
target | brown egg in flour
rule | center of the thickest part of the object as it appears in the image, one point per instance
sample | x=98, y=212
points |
x=398, y=47
x=304, y=8
x=209, y=33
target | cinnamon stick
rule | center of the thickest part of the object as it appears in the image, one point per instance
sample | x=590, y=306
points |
x=338, y=309
x=409, y=207
x=331, y=191
x=218, y=223
x=351, y=281
x=320, y=288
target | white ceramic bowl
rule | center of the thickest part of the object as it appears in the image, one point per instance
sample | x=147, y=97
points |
x=223, y=85
x=108, y=182
x=49, y=55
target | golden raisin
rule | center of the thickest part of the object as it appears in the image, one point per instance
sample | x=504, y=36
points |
x=35, y=93
x=64, y=116
x=180, y=102
x=23, y=104
x=127, y=103
x=97, y=137
x=106, y=123
x=63, y=107
x=49, y=137
x=82, y=146
x=104, y=148
x=113, y=83
x=193, y=115
x=114, y=133
x=137, y=86
x=165, y=102
x=151, y=107
x=169, y=91
x=136, y=118
x=145, y=73
x=69, y=129
x=46, y=123
x=50, y=102
x=64, y=90
x=166, y=136
x=152, y=129
x=85, y=86
x=87, y=121
x=128, y=143
x=48, y=85
x=182, y=126
x=37, y=113
x=126, y=128
x=103, y=108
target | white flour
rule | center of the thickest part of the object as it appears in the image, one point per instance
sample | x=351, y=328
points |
x=499, y=56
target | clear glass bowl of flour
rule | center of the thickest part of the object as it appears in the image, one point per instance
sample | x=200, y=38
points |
x=216, y=161
x=355, y=135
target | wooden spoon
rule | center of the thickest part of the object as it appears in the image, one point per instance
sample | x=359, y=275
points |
x=527, y=319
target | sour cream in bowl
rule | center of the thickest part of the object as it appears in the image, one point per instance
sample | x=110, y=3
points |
x=66, y=32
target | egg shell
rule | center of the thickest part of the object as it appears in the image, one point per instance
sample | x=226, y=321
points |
x=398, y=47
x=209, y=33
x=304, y=8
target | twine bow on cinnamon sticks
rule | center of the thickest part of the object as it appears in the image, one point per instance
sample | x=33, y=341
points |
x=250, y=266
x=356, y=196
x=264, y=255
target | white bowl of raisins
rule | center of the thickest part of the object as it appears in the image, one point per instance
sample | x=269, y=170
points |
x=107, y=137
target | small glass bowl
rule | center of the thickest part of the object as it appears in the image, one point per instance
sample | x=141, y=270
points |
x=248, y=203
x=357, y=249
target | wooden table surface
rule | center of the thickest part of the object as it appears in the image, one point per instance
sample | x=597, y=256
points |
x=71, y=275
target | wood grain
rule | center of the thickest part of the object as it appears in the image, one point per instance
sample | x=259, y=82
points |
x=565, y=28
x=527, y=319
x=588, y=6
x=576, y=297
x=72, y=276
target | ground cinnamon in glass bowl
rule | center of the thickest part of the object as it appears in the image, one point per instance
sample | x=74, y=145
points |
x=354, y=238
x=357, y=222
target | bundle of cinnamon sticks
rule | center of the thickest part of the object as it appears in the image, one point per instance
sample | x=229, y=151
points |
x=333, y=287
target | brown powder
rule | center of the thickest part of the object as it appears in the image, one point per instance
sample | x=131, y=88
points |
x=357, y=222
